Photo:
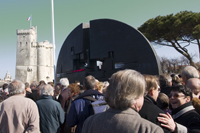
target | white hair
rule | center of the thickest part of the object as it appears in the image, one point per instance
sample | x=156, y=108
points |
x=47, y=90
x=16, y=87
x=64, y=82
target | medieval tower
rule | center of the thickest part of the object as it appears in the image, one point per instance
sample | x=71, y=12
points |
x=34, y=60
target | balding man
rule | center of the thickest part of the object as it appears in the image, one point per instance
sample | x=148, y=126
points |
x=51, y=113
x=17, y=113
x=189, y=72
x=194, y=85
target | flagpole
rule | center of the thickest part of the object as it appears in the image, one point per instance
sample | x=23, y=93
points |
x=31, y=22
x=53, y=40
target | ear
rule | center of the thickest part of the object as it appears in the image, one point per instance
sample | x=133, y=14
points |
x=151, y=92
x=188, y=99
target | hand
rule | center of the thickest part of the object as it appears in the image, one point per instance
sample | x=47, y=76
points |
x=167, y=121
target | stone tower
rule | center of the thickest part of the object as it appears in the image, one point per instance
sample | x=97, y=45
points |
x=34, y=60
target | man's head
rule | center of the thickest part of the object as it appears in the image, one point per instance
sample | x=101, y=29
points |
x=194, y=85
x=89, y=82
x=33, y=85
x=57, y=89
x=5, y=86
x=47, y=90
x=189, y=72
x=27, y=87
x=179, y=95
x=126, y=89
x=152, y=86
x=165, y=80
x=64, y=82
x=16, y=87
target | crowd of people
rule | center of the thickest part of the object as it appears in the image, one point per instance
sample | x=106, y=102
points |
x=135, y=102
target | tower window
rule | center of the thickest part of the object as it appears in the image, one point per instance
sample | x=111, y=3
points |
x=26, y=43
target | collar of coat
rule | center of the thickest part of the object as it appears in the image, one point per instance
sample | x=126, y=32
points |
x=89, y=93
x=182, y=110
x=149, y=99
x=46, y=97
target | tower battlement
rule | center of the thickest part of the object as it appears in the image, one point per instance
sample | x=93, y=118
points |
x=46, y=44
x=32, y=30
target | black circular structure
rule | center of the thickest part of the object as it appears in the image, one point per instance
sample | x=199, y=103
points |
x=114, y=44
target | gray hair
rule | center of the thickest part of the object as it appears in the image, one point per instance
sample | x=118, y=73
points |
x=64, y=82
x=165, y=80
x=16, y=87
x=190, y=72
x=125, y=86
x=47, y=90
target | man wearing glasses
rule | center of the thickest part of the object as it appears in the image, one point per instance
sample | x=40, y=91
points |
x=150, y=111
x=184, y=118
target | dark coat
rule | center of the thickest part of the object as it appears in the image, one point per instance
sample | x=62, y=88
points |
x=166, y=90
x=80, y=109
x=119, y=121
x=150, y=111
x=51, y=114
x=34, y=95
x=188, y=117
x=64, y=98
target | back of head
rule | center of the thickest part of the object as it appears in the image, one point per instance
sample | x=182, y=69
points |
x=125, y=86
x=194, y=85
x=34, y=84
x=47, y=90
x=64, y=82
x=165, y=80
x=190, y=72
x=99, y=86
x=5, y=86
x=163, y=101
x=27, y=85
x=16, y=87
x=151, y=82
x=74, y=88
x=89, y=82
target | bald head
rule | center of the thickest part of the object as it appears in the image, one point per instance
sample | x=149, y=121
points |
x=189, y=72
x=194, y=85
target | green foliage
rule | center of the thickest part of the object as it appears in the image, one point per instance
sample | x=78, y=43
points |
x=179, y=27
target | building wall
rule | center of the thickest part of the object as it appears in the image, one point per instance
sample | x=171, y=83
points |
x=34, y=59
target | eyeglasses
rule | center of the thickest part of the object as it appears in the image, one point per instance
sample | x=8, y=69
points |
x=176, y=95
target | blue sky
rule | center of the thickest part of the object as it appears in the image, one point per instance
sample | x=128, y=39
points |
x=70, y=13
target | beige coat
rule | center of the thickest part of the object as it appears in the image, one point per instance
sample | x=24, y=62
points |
x=18, y=115
x=119, y=121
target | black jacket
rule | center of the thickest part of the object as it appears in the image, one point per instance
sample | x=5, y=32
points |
x=51, y=114
x=188, y=117
x=34, y=95
x=150, y=112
